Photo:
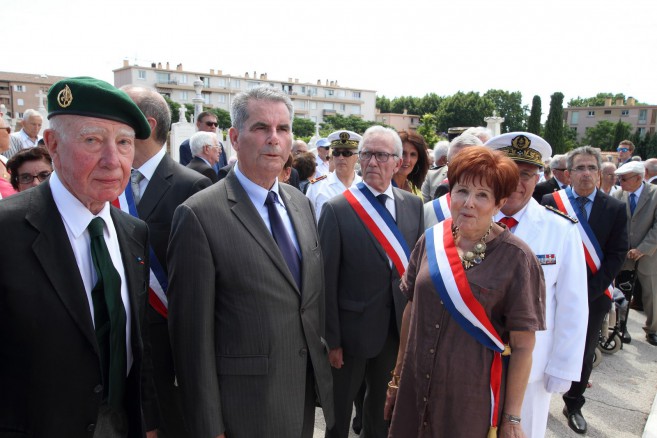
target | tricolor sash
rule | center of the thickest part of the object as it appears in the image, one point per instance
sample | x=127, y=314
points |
x=451, y=284
x=379, y=221
x=565, y=200
x=158, y=283
x=441, y=207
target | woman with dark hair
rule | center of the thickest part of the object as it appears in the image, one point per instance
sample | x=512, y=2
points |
x=476, y=296
x=415, y=163
x=305, y=164
x=5, y=143
x=29, y=168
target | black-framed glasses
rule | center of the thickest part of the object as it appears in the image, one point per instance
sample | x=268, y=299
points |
x=381, y=157
x=27, y=178
x=212, y=124
x=344, y=153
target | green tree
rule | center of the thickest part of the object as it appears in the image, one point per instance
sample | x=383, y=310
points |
x=509, y=105
x=429, y=104
x=601, y=135
x=463, y=109
x=622, y=131
x=427, y=129
x=174, y=107
x=383, y=104
x=303, y=127
x=554, y=127
x=409, y=103
x=534, y=121
x=570, y=137
x=351, y=123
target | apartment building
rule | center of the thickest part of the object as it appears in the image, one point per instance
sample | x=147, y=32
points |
x=311, y=100
x=641, y=117
x=400, y=122
x=19, y=91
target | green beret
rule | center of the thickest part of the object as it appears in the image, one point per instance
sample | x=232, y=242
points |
x=89, y=97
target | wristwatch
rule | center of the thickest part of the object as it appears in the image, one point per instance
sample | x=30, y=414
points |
x=512, y=418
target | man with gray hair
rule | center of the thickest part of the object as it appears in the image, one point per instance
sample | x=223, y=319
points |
x=432, y=179
x=28, y=136
x=206, y=151
x=651, y=170
x=246, y=290
x=364, y=304
x=559, y=180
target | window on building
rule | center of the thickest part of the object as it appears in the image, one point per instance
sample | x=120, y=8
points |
x=643, y=116
x=205, y=80
x=591, y=114
x=222, y=98
x=20, y=88
x=183, y=79
x=642, y=132
x=329, y=93
x=328, y=106
x=221, y=82
x=235, y=83
x=20, y=102
x=355, y=109
x=574, y=118
x=183, y=96
x=313, y=105
x=625, y=113
x=141, y=74
x=301, y=104
x=607, y=112
x=340, y=93
x=251, y=84
x=342, y=107
x=312, y=91
x=163, y=78
x=206, y=98
x=356, y=94
x=20, y=115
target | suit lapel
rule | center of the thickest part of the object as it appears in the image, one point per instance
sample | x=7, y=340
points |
x=247, y=214
x=643, y=199
x=53, y=250
x=132, y=254
x=157, y=187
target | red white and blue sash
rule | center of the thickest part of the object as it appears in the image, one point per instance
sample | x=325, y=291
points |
x=381, y=224
x=593, y=254
x=158, y=278
x=451, y=284
x=441, y=207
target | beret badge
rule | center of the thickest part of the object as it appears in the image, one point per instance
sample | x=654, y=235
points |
x=344, y=137
x=65, y=97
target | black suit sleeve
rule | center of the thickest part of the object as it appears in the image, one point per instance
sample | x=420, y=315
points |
x=330, y=242
x=615, y=250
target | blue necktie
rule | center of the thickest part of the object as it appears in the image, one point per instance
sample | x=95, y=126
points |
x=283, y=239
x=632, y=203
x=582, y=201
x=382, y=198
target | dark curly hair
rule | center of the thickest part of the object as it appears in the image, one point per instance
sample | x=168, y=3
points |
x=30, y=154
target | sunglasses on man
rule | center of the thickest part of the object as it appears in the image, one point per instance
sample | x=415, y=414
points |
x=212, y=124
x=346, y=154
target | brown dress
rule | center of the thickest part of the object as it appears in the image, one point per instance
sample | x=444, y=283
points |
x=444, y=389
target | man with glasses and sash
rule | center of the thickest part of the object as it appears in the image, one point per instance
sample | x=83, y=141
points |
x=366, y=235
x=344, y=150
x=602, y=225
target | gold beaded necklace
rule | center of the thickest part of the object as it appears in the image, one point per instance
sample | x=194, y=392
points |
x=478, y=253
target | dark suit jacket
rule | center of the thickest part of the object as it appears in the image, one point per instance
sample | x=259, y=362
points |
x=223, y=172
x=170, y=185
x=544, y=188
x=243, y=335
x=609, y=224
x=361, y=287
x=186, y=156
x=203, y=168
x=49, y=362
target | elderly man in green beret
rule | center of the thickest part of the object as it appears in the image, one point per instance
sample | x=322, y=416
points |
x=74, y=277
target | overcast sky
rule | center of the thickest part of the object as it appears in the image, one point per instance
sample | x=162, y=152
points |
x=406, y=47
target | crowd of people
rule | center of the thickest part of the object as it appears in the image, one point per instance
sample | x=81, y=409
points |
x=444, y=292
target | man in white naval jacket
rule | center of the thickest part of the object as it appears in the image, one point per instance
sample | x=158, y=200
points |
x=555, y=239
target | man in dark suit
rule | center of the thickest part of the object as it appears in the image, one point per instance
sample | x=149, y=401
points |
x=206, y=121
x=364, y=305
x=246, y=290
x=558, y=181
x=73, y=289
x=651, y=170
x=206, y=150
x=164, y=185
x=607, y=221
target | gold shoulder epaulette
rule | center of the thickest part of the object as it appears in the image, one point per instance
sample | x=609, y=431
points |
x=561, y=213
x=319, y=178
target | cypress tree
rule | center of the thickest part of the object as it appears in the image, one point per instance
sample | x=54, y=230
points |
x=534, y=122
x=554, y=124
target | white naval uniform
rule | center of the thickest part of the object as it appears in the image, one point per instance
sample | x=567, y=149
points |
x=323, y=190
x=559, y=349
x=322, y=167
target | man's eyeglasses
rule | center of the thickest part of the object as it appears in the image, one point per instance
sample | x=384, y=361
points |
x=628, y=178
x=622, y=150
x=526, y=176
x=381, y=157
x=26, y=178
x=556, y=168
x=346, y=154
x=582, y=169
x=212, y=124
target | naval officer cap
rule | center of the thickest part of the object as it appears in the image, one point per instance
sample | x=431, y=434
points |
x=523, y=147
x=631, y=167
x=323, y=143
x=89, y=97
x=344, y=139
